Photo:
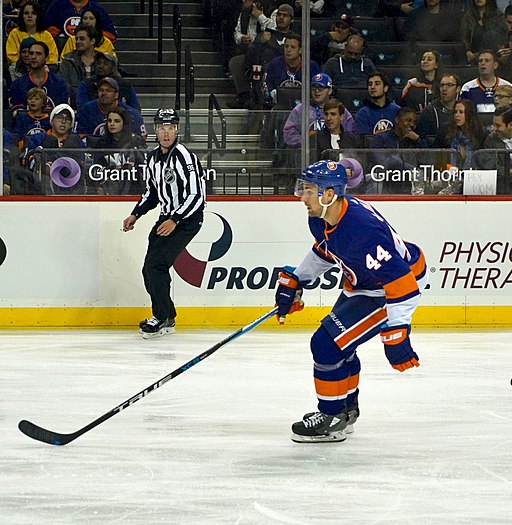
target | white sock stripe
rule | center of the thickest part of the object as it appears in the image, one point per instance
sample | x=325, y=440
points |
x=331, y=398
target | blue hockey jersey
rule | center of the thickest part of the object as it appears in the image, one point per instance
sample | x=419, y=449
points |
x=54, y=85
x=27, y=124
x=62, y=18
x=91, y=119
x=481, y=96
x=372, y=256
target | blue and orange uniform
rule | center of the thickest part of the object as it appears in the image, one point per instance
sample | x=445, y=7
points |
x=384, y=277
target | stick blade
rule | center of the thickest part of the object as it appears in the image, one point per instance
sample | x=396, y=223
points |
x=46, y=436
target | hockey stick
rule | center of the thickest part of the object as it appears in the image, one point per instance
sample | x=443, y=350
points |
x=54, y=438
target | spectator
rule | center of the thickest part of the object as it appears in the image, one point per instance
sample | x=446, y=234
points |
x=505, y=62
x=50, y=144
x=91, y=116
x=55, y=86
x=126, y=154
x=327, y=45
x=266, y=46
x=252, y=20
x=286, y=70
x=106, y=66
x=78, y=65
x=438, y=112
x=60, y=135
x=36, y=119
x=503, y=96
x=350, y=69
x=62, y=16
x=378, y=113
x=22, y=66
x=499, y=139
x=321, y=91
x=402, y=136
x=333, y=135
x=30, y=24
x=482, y=16
x=91, y=17
x=481, y=89
x=433, y=18
x=420, y=91
x=464, y=133
x=496, y=39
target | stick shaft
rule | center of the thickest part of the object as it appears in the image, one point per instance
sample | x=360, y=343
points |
x=54, y=438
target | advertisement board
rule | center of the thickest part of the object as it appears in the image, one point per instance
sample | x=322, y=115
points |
x=69, y=263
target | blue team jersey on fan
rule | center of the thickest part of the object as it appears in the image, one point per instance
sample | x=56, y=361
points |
x=369, y=251
x=91, y=119
x=54, y=85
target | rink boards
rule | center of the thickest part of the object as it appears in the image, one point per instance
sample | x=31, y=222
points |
x=69, y=264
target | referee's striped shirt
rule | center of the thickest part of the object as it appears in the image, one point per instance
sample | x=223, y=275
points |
x=176, y=181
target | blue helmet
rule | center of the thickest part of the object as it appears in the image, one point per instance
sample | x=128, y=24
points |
x=326, y=174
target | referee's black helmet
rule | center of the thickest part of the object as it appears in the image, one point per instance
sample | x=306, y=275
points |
x=166, y=116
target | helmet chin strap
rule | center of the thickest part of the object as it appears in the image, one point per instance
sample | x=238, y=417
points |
x=325, y=206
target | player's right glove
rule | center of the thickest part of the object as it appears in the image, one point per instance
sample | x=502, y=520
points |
x=288, y=294
x=397, y=347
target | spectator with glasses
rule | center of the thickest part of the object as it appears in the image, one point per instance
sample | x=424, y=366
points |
x=503, y=96
x=438, y=112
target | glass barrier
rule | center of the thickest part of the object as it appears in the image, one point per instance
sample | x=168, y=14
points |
x=252, y=170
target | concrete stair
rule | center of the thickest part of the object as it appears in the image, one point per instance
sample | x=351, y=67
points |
x=243, y=167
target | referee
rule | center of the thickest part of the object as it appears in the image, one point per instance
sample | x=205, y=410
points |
x=175, y=180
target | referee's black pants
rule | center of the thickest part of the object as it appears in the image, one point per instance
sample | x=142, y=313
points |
x=161, y=254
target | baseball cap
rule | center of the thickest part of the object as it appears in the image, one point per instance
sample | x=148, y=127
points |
x=321, y=79
x=27, y=42
x=112, y=82
x=61, y=108
x=286, y=8
x=166, y=116
x=106, y=56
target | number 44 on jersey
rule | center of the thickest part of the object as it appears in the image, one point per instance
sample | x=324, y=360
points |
x=373, y=263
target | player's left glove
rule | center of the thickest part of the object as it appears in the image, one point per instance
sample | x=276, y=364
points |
x=397, y=347
x=288, y=294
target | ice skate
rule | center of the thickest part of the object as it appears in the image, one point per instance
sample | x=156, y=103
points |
x=353, y=414
x=317, y=427
x=153, y=327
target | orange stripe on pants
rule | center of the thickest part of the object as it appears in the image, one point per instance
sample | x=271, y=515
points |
x=356, y=331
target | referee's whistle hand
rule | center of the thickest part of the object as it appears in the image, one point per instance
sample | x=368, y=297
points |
x=166, y=228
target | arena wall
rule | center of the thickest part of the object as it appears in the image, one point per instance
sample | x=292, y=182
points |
x=67, y=263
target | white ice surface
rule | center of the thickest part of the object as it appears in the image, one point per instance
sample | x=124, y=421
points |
x=212, y=446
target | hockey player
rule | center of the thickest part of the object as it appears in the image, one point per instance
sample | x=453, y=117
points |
x=175, y=180
x=384, y=277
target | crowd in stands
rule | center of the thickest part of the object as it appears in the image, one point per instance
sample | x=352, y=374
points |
x=60, y=56
x=64, y=86
x=464, y=73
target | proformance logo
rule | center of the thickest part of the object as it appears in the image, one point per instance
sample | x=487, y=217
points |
x=200, y=274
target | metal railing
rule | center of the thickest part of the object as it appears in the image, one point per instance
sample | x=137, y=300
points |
x=176, y=33
x=189, y=89
x=213, y=104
